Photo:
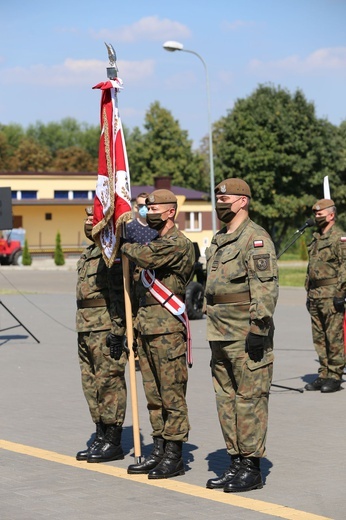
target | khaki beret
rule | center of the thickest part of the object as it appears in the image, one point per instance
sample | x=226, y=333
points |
x=161, y=197
x=89, y=211
x=323, y=204
x=233, y=186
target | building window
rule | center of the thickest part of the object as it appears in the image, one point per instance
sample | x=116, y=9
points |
x=48, y=216
x=193, y=221
x=29, y=194
x=24, y=194
x=59, y=194
x=80, y=194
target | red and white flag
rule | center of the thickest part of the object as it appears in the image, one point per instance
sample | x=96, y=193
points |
x=112, y=204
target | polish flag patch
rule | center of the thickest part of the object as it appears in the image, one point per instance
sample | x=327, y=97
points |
x=343, y=239
x=258, y=243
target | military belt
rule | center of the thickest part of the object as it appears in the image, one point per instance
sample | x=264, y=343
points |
x=322, y=283
x=213, y=299
x=144, y=301
x=92, y=302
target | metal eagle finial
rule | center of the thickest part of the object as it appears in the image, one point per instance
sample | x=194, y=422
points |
x=112, y=71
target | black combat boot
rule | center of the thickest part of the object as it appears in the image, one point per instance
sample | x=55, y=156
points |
x=99, y=438
x=248, y=477
x=110, y=449
x=152, y=461
x=219, y=482
x=316, y=384
x=172, y=463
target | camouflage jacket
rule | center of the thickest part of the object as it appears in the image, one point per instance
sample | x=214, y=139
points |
x=327, y=260
x=96, y=280
x=241, y=262
x=172, y=257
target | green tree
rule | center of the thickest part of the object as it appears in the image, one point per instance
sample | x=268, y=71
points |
x=31, y=157
x=59, y=258
x=73, y=159
x=27, y=259
x=164, y=149
x=275, y=142
x=64, y=134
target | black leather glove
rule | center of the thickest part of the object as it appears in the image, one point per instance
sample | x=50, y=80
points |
x=254, y=346
x=339, y=303
x=115, y=344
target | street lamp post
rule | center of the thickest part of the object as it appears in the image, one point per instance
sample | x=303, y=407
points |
x=172, y=46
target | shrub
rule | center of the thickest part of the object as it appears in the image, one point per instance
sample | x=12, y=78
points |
x=59, y=258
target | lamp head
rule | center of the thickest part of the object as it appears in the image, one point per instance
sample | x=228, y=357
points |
x=172, y=46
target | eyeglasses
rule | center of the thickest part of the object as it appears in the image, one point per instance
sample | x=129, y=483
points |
x=141, y=206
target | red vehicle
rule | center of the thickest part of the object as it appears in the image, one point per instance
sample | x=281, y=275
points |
x=10, y=251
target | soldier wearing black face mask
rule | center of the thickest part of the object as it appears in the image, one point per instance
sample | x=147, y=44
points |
x=326, y=287
x=241, y=294
x=100, y=324
x=162, y=339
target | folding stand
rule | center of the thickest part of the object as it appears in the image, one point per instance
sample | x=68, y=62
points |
x=17, y=320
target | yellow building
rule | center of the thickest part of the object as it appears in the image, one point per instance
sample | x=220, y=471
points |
x=47, y=203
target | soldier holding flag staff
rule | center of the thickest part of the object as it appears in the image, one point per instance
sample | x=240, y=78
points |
x=100, y=323
x=162, y=341
x=326, y=290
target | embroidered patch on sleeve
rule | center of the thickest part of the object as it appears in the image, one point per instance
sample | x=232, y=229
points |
x=343, y=239
x=258, y=243
x=262, y=262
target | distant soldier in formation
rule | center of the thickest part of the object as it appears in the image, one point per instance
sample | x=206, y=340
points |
x=100, y=322
x=241, y=295
x=162, y=336
x=326, y=291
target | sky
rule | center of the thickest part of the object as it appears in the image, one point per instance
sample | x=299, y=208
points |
x=53, y=52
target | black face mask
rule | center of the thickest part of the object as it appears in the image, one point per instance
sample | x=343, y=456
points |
x=154, y=221
x=88, y=230
x=224, y=211
x=321, y=222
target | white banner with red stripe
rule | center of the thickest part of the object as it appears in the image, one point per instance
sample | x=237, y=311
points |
x=169, y=301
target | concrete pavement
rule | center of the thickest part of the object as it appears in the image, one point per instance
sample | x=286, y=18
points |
x=45, y=421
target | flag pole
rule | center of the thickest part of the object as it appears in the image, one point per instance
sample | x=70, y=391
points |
x=114, y=166
x=132, y=363
x=112, y=73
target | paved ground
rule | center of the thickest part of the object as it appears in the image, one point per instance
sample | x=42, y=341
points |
x=45, y=421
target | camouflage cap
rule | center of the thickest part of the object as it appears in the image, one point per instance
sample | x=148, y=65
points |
x=161, y=197
x=233, y=186
x=323, y=204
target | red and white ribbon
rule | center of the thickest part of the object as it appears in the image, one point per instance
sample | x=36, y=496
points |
x=169, y=301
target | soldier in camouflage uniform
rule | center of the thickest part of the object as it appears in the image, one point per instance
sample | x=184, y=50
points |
x=241, y=295
x=162, y=337
x=100, y=322
x=326, y=290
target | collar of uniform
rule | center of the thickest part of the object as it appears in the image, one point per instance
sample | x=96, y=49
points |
x=223, y=237
x=173, y=231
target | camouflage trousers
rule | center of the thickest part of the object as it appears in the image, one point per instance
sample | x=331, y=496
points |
x=328, y=337
x=103, y=378
x=242, y=390
x=162, y=360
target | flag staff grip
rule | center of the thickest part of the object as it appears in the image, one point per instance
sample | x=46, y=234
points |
x=132, y=364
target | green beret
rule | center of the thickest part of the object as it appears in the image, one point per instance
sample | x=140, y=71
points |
x=161, y=197
x=233, y=186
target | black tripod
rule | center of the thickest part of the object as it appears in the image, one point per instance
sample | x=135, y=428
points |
x=310, y=222
x=17, y=320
